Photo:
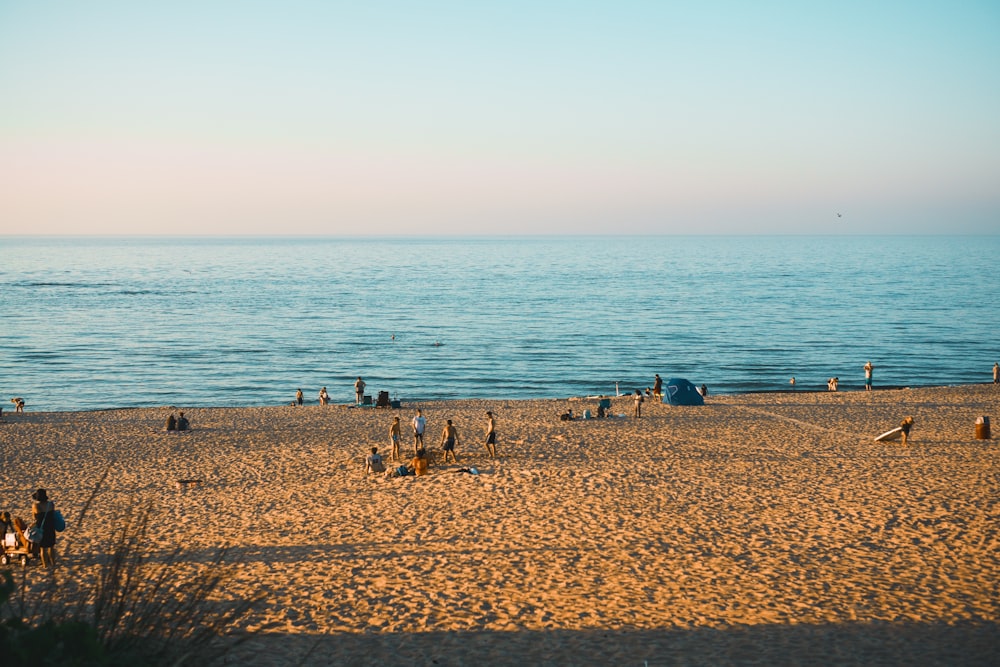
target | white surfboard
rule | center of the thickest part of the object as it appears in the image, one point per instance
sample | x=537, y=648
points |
x=894, y=434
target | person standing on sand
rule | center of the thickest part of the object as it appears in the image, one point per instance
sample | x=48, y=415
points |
x=359, y=390
x=419, y=424
x=658, y=386
x=394, y=438
x=449, y=438
x=491, y=435
x=996, y=373
x=637, y=410
x=324, y=397
x=298, y=397
x=868, y=376
x=42, y=510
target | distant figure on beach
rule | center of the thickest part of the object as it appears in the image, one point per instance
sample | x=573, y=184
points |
x=42, y=510
x=868, y=376
x=324, y=397
x=359, y=389
x=419, y=463
x=658, y=386
x=567, y=416
x=171, y=423
x=832, y=383
x=703, y=390
x=449, y=438
x=19, y=404
x=298, y=397
x=491, y=435
x=996, y=373
x=394, y=438
x=182, y=423
x=637, y=410
x=792, y=382
x=906, y=425
x=373, y=462
x=419, y=424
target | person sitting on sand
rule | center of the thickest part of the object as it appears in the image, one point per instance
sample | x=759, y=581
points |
x=449, y=438
x=171, y=423
x=420, y=463
x=373, y=462
x=906, y=425
x=182, y=423
x=567, y=416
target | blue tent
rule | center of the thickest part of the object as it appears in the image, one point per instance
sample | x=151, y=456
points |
x=681, y=392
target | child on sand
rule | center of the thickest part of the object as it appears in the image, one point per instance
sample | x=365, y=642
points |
x=906, y=425
x=394, y=438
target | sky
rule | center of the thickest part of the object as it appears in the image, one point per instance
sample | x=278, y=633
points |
x=441, y=118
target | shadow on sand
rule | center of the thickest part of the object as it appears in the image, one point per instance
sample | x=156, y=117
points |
x=842, y=644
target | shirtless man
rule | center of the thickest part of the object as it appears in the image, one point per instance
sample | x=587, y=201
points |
x=449, y=438
x=359, y=390
x=491, y=435
x=394, y=438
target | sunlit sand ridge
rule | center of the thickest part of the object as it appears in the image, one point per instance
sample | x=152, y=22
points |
x=755, y=529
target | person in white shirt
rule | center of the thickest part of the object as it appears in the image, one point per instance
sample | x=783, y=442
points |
x=419, y=424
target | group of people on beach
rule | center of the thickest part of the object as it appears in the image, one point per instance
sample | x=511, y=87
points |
x=179, y=423
x=38, y=538
x=449, y=441
x=324, y=396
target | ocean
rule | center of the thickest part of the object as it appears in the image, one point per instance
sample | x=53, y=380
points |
x=93, y=323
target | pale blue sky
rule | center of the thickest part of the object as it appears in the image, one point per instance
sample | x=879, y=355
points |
x=385, y=117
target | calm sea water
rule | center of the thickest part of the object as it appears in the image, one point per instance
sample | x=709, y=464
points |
x=98, y=323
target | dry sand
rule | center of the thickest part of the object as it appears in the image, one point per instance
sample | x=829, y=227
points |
x=758, y=529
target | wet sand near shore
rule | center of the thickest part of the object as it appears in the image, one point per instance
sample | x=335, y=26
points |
x=757, y=529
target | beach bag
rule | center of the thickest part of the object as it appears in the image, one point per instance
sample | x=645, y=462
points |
x=58, y=522
x=34, y=534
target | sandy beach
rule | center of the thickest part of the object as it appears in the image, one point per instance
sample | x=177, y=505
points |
x=757, y=529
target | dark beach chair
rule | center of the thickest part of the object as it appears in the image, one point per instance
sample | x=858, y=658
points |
x=383, y=400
